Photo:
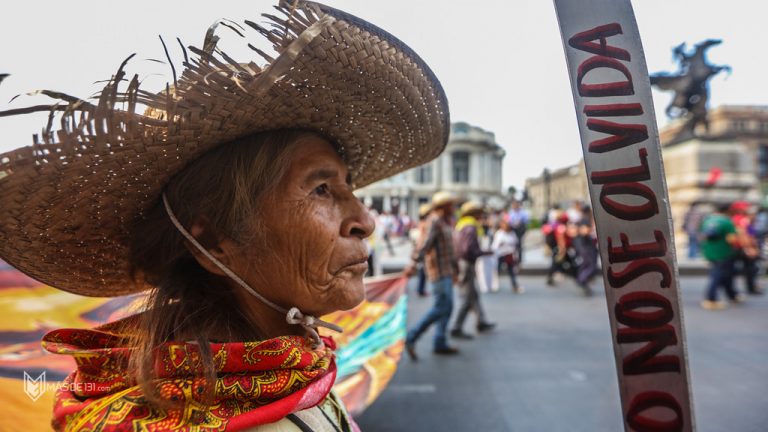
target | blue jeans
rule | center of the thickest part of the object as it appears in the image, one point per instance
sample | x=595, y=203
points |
x=422, y=285
x=746, y=266
x=693, y=245
x=721, y=275
x=442, y=292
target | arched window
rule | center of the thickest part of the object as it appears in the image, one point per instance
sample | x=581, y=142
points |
x=460, y=166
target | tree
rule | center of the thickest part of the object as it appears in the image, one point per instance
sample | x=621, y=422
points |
x=511, y=192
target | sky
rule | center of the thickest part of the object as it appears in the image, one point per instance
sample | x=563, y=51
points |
x=500, y=62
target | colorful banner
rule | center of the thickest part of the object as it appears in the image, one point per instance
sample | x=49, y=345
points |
x=372, y=342
x=622, y=155
x=368, y=350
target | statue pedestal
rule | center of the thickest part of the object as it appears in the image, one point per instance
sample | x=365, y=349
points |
x=688, y=166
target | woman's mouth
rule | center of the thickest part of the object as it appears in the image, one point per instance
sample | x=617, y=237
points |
x=358, y=265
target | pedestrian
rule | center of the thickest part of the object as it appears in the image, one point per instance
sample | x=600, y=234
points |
x=585, y=245
x=436, y=252
x=718, y=246
x=574, y=212
x=553, y=213
x=691, y=224
x=487, y=266
x=505, y=245
x=760, y=227
x=467, y=235
x=405, y=225
x=387, y=223
x=550, y=244
x=493, y=222
x=371, y=244
x=230, y=204
x=420, y=236
x=559, y=239
x=747, y=252
x=518, y=219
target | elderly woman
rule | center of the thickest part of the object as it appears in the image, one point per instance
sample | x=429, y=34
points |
x=229, y=200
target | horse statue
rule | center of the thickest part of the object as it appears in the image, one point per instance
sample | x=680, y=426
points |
x=690, y=84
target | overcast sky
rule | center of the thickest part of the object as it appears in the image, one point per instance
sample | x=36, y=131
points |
x=501, y=62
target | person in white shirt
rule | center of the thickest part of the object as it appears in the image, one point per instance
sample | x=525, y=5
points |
x=505, y=244
x=575, y=212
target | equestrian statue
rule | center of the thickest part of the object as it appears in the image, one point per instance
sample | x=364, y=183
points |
x=690, y=85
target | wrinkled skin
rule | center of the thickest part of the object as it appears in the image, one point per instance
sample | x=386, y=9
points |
x=314, y=230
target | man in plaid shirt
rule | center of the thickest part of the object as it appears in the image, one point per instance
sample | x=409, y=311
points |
x=436, y=251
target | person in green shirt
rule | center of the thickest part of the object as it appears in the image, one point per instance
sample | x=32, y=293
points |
x=718, y=246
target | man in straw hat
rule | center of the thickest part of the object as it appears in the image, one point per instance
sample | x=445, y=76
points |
x=229, y=201
x=436, y=251
x=420, y=233
x=467, y=236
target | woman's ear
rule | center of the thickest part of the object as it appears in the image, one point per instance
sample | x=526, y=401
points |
x=221, y=250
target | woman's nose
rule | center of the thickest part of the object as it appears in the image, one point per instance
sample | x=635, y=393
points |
x=358, y=221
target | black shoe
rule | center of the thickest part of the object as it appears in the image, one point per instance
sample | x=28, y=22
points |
x=757, y=292
x=459, y=334
x=486, y=326
x=410, y=348
x=446, y=351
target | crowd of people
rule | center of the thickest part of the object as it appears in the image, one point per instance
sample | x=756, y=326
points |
x=466, y=249
x=731, y=236
x=572, y=242
x=468, y=246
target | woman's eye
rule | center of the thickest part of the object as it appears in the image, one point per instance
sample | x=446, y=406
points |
x=322, y=190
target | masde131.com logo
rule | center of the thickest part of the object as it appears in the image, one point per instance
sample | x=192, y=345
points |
x=34, y=387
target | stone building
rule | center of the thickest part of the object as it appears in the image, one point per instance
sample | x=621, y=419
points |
x=470, y=166
x=561, y=186
x=724, y=163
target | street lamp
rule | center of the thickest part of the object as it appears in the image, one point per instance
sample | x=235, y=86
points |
x=547, y=176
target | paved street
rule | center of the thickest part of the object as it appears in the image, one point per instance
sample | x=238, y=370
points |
x=549, y=367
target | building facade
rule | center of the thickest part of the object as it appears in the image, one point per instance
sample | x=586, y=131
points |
x=726, y=162
x=470, y=166
x=559, y=187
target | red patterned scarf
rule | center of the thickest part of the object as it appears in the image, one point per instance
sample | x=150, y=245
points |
x=258, y=382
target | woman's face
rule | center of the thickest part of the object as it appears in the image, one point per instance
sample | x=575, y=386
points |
x=314, y=230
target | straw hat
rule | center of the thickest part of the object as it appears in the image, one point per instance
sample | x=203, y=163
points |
x=68, y=200
x=471, y=207
x=424, y=209
x=442, y=198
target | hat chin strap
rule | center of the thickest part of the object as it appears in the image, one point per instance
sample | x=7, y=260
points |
x=292, y=316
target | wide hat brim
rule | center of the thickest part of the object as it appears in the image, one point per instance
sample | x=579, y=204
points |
x=471, y=207
x=442, y=198
x=68, y=201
